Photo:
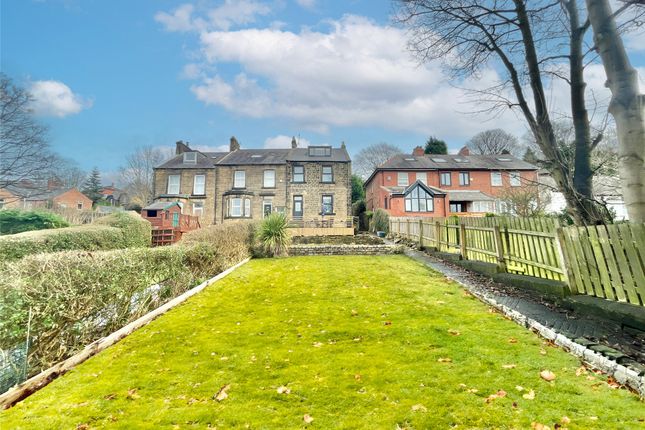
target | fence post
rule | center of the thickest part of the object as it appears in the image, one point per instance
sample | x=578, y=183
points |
x=501, y=263
x=437, y=234
x=420, y=233
x=462, y=241
x=560, y=243
x=407, y=228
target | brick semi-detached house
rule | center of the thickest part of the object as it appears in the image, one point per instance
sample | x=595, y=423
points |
x=442, y=185
x=312, y=185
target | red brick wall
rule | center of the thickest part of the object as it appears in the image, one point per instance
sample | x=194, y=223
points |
x=397, y=208
x=71, y=198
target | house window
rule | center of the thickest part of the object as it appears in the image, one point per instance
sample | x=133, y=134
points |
x=298, y=174
x=269, y=179
x=515, y=179
x=327, y=205
x=267, y=207
x=445, y=178
x=198, y=208
x=239, y=207
x=239, y=180
x=419, y=200
x=320, y=151
x=173, y=184
x=482, y=206
x=402, y=179
x=199, y=185
x=79, y=205
x=464, y=178
x=458, y=207
x=327, y=174
x=423, y=177
x=297, y=206
x=496, y=179
x=190, y=158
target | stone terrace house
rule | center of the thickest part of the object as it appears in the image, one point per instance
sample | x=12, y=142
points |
x=311, y=185
x=443, y=185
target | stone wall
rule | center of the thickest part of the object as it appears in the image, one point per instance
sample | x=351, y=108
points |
x=186, y=197
x=298, y=250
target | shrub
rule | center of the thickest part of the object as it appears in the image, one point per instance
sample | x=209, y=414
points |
x=14, y=221
x=380, y=221
x=274, y=235
x=119, y=230
x=358, y=210
x=77, y=297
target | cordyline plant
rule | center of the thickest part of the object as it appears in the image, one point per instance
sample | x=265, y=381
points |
x=273, y=234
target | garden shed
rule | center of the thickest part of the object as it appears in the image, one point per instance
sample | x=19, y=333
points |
x=168, y=222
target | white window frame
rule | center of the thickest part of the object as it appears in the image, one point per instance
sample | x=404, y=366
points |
x=402, y=179
x=414, y=203
x=494, y=182
x=423, y=177
x=197, y=184
x=190, y=158
x=515, y=179
x=198, y=208
x=330, y=204
x=464, y=175
x=445, y=175
x=174, y=188
x=239, y=179
x=268, y=181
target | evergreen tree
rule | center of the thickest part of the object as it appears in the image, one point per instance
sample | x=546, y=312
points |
x=358, y=192
x=435, y=146
x=92, y=187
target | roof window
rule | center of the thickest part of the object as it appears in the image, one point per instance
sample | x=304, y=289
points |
x=320, y=151
x=504, y=159
x=190, y=158
x=461, y=160
x=409, y=159
x=438, y=160
x=256, y=156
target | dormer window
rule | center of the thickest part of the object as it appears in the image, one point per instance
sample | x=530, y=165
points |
x=190, y=158
x=320, y=151
x=438, y=160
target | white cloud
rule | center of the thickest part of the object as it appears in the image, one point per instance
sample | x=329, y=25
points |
x=283, y=141
x=357, y=74
x=307, y=4
x=228, y=14
x=54, y=98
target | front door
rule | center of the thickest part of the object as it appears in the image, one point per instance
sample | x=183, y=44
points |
x=267, y=207
x=297, y=207
x=175, y=219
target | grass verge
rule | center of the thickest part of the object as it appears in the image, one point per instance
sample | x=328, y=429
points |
x=352, y=342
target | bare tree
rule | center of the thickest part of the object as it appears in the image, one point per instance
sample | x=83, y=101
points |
x=527, y=201
x=369, y=158
x=137, y=174
x=494, y=141
x=627, y=105
x=24, y=152
x=68, y=172
x=528, y=42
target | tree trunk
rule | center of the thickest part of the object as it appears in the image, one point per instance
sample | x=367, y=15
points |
x=627, y=106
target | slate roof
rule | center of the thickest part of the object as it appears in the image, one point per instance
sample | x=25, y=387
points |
x=456, y=162
x=405, y=190
x=33, y=194
x=160, y=205
x=253, y=157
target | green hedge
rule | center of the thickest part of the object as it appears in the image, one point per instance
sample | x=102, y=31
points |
x=119, y=230
x=77, y=297
x=14, y=221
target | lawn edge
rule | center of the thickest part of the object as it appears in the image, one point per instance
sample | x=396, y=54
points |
x=37, y=382
x=622, y=374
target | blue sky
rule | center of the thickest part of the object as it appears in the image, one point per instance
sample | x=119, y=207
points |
x=113, y=75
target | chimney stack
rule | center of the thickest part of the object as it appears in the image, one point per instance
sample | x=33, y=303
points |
x=464, y=151
x=181, y=147
x=418, y=151
x=235, y=145
x=294, y=144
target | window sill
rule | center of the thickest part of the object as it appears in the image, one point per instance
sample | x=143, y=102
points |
x=328, y=183
x=327, y=214
x=269, y=188
x=303, y=182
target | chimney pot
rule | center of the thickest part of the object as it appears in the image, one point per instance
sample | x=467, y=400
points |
x=464, y=151
x=181, y=147
x=294, y=144
x=235, y=145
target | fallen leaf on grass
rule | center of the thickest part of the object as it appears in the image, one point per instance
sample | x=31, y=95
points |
x=512, y=340
x=132, y=394
x=357, y=377
x=581, y=371
x=542, y=352
x=110, y=396
x=547, y=375
x=611, y=381
x=454, y=332
x=519, y=388
x=283, y=390
x=317, y=344
x=472, y=390
x=222, y=393
x=82, y=427
x=538, y=426
x=388, y=323
x=497, y=395
x=307, y=419
x=354, y=312
x=445, y=360
x=509, y=366
x=565, y=420
x=530, y=395
x=419, y=407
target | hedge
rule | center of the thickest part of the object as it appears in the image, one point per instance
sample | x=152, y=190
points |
x=77, y=297
x=119, y=230
x=14, y=221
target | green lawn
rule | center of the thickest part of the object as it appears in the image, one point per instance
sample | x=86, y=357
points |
x=354, y=342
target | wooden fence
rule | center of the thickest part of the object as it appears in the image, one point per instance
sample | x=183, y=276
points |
x=604, y=261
